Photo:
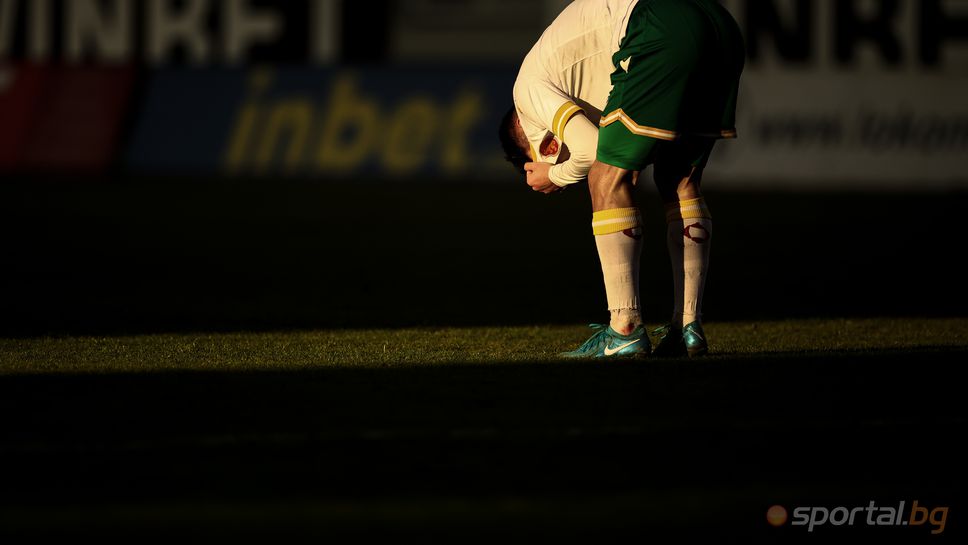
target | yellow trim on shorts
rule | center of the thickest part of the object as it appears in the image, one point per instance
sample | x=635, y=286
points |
x=652, y=132
x=635, y=128
x=567, y=111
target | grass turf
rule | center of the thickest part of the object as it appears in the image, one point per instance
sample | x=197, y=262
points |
x=464, y=433
x=388, y=347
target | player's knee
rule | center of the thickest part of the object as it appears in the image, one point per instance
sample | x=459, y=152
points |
x=610, y=186
x=605, y=177
x=679, y=185
x=604, y=173
x=691, y=186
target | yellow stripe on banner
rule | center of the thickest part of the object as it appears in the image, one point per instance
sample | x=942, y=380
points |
x=635, y=128
x=615, y=220
x=567, y=111
x=686, y=210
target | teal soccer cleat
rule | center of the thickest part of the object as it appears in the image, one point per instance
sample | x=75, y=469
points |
x=608, y=343
x=678, y=343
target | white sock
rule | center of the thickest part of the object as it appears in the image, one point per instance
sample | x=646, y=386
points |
x=689, y=236
x=618, y=235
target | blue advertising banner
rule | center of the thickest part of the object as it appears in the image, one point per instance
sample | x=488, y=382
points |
x=326, y=123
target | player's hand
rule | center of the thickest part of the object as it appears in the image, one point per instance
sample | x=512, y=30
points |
x=538, y=178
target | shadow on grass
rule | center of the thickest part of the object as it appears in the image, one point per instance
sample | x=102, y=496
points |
x=560, y=446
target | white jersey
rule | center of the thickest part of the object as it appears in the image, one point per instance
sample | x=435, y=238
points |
x=569, y=71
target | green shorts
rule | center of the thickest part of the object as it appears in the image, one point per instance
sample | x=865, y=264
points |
x=677, y=76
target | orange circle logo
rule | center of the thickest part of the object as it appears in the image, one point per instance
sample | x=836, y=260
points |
x=776, y=515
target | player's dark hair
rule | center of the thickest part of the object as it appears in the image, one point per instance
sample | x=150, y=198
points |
x=513, y=148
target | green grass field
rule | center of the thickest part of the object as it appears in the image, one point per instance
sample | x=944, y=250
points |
x=306, y=350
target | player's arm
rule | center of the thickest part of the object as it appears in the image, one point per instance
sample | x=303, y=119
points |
x=547, y=109
x=569, y=125
x=581, y=137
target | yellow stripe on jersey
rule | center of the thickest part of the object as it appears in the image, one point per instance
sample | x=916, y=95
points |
x=635, y=128
x=615, y=220
x=687, y=210
x=567, y=111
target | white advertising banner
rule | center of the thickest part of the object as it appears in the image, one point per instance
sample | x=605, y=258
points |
x=843, y=94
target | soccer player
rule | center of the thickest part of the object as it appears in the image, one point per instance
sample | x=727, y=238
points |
x=674, y=78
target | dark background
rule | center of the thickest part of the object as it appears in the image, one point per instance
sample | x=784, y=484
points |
x=159, y=256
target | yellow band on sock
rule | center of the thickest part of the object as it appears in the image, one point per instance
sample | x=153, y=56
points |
x=687, y=210
x=615, y=220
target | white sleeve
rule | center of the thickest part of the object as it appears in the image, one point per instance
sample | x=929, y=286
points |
x=581, y=137
x=543, y=109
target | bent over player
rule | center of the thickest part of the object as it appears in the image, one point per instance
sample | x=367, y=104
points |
x=674, y=73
